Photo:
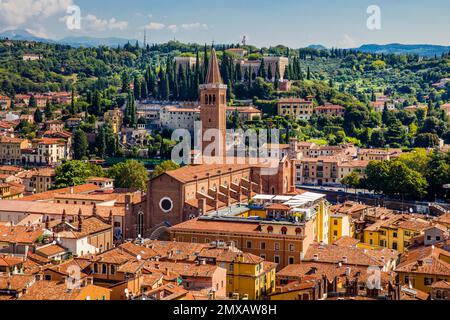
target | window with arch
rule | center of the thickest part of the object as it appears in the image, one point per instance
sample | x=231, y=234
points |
x=113, y=269
x=140, y=223
x=95, y=268
x=284, y=230
x=104, y=269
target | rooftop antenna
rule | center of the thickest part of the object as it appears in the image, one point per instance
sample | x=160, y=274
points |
x=145, y=38
x=244, y=40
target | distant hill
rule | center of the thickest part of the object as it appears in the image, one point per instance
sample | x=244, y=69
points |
x=24, y=35
x=95, y=42
x=425, y=50
x=317, y=46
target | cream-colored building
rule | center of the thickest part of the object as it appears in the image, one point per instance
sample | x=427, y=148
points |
x=185, y=62
x=296, y=108
x=176, y=117
x=272, y=62
x=11, y=150
x=45, y=151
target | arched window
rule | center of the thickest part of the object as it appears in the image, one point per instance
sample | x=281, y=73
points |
x=95, y=268
x=104, y=269
x=270, y=229
x=284, y=230
x=298, y=231
x=113, y=269
x=140, y=223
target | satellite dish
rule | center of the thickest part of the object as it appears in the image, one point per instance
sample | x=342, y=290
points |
x=139, y=236
x=54, y=242
x=139, y=258
x=88, y=298
x=126, y=291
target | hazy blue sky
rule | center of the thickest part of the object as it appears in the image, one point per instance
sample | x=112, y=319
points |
x=295, y=23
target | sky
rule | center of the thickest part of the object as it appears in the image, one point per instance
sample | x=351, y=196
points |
x=295, y=23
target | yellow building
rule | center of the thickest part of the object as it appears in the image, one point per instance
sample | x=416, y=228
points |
x=422, y=267
x=340, y=225
x=248, y=276
x=11, y=191
x=116, y=118
x=296, y=108
x=296, y=291
x=322, y=222
x=394, y=233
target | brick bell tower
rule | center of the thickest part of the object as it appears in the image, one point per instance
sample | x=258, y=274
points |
x=213, y=105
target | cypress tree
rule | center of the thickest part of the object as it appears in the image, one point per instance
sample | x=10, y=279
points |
x=80, y=145
x=48, y=111
x=269, y=74
x=37, y=116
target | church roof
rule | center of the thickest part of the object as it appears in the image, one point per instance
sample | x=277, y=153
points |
x=213, y=75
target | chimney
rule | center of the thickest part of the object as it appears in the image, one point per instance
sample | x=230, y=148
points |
x=316, y=257
x=110, y=220
x=94, y=210
x=47, y=222
x=63, y=218
x=344, y=259
x=202, y=207
x=348, y=271
x=80, y=221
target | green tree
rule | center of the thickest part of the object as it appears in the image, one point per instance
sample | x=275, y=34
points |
x=131, y=174
x=74, y=172
x=396, y=134
x=164, y=167
x=32, y=102
x=80, y=145
x=48, y=111
x=38, y=118
x=353, y=180
x=427, y=140
x=438, y=174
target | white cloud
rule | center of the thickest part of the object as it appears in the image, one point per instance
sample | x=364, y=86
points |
x=173, y=28
x=91, y=22
x=16, y=13
x=194, y=26
x=347, y=42
x=155, y=26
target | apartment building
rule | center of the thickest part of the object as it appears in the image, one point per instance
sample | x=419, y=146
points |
x=273, y=62
x=329, y=109
x=297, y=108
x=276, y=228
x=11, y=149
